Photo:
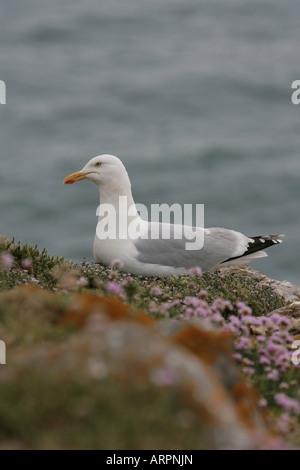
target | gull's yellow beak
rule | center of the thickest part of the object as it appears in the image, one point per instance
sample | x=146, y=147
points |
x=74, y=177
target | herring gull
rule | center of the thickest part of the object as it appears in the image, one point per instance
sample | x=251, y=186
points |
x=147, y=256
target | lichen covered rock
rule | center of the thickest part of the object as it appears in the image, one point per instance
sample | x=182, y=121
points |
x=104, y=343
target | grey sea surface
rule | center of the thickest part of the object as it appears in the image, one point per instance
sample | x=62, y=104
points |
x=194, y=97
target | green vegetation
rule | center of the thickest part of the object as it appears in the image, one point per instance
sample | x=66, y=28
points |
x=57, y=273
x=78, y=414
x=55, y=411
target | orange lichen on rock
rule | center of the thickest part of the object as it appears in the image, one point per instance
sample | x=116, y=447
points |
x=214, y=349
x=71, y=309
x=207, y=345
x=82, y=306
x=111, y=341
x=246, y=399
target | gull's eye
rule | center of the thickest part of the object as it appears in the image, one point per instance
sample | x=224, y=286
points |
x=98, y=164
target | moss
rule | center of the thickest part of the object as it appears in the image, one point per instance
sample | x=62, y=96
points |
x=106, y=414
x=73, y=414
x=28, y=316
x=41, y=267
x=57, y=273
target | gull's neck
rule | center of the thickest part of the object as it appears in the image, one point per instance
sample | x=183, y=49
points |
x=117, y=194
x=110, y=193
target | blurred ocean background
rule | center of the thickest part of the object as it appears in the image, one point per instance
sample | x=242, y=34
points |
x=194, y=96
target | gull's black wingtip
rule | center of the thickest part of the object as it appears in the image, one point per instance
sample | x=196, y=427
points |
x=259, y=243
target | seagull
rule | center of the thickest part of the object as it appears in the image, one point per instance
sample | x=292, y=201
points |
x=145, y=255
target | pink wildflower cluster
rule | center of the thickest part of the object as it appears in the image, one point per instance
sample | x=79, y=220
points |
x=20, y=276
x=273, y=341
x=26, y=263
x=113, y=288
x=195, y=271
x=156, y=291
x=287, y=403
x=7, y=260
x=116, y=263
x=197, y=307
x=261, y=343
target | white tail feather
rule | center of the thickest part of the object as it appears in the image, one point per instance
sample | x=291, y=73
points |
x=244, y=259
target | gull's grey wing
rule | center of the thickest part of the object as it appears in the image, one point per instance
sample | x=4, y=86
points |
x=219, y=245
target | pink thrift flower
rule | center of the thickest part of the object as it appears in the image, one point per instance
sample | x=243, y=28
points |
x=166, y=306
x=26, y=263
x=217, y=318
x=248, y=320
x=264, y=360
x=248, y=370
x=221, y=304
x=195, y=271
x=117, y=263
x=235, y=321
x=273, y=375
x=156, y=291
x=231, y=328
x=280, y=320
x=113, y=288
x=244, y=343
x=287, y=403
x=243, y=309
x=237, y=356
x=193, y=301
x=260, y=338
x=7, y=260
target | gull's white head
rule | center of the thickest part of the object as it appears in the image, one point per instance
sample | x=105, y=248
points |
x=102, y=170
